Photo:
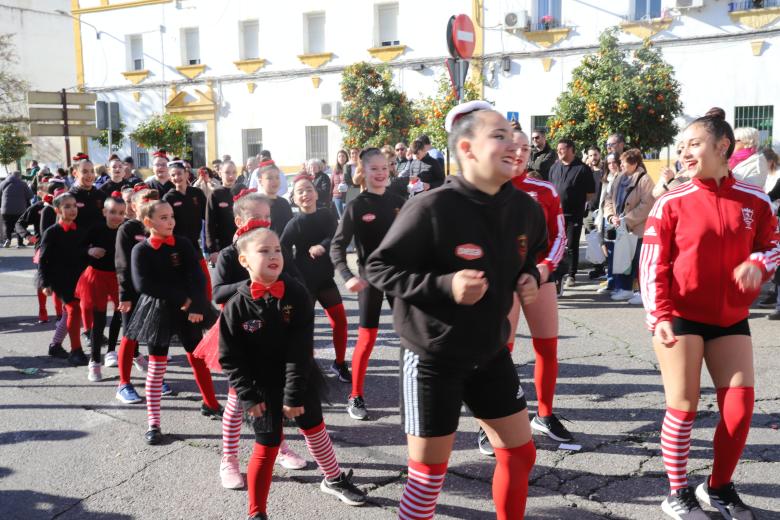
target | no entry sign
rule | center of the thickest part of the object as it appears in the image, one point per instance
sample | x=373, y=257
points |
x=460, y=37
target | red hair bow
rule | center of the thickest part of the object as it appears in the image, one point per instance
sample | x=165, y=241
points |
x=253, y=223
x=157, y=242
x=160, y=153
x=140, y=186
x=80, y=157
x=116, y=194
x=244, y=192
x=269, y=162
x=48, y=198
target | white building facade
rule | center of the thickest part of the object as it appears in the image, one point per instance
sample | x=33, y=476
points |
x=252, y=75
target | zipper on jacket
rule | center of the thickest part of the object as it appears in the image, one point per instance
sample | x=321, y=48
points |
x=721, y=237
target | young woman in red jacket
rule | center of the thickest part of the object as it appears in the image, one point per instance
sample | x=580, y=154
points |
x=708, y=245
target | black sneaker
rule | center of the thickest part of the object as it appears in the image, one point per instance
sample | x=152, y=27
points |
x=775, y=316
x=344, y=489
x=356, y=408
x=551, y=427
x=259, y=516
x=485, y=448
x=769, y=301
x=341, y=371
x=212, y=413
x=681, y=504
x=726, y=500
x=153, y=436
x=598, y=272
x=56, y=351
x=77, y=358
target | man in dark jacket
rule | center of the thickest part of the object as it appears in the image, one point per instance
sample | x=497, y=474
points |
x=321, y=183
x=574, y=182
x=15, y=196
x=425, y=167
x=542, y=156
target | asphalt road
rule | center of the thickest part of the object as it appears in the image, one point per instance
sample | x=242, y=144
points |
x=69, y=450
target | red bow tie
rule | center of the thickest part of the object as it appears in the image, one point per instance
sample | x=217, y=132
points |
x=258, y=290
x=68, y=226
x=157, y=242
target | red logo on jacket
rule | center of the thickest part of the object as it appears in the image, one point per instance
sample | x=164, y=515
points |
x=368, y=217
x=468, y=251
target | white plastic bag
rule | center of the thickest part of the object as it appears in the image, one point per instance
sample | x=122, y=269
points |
x=594, y=253
x=625, y=247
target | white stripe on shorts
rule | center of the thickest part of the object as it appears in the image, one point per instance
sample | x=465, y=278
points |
x=411, y=403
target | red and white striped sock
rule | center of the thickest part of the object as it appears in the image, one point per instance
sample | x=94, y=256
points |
x=154, y=379
x=675, y=445
x=422, y=489
x=231, y=424
x=320, y=447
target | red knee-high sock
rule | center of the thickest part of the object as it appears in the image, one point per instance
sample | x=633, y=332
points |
x=363, y=348
x=74, y=324
x=231, y=424
x=545, y=373
x=338, y=322
x=736, y=410
x=423, y=485
x=675, y=444
x=154, y=379
x=205, y=268
x=126, y=351
x=57, y=306
x=259, y=473
x=42, y=314
x=320, y=447
x=203, y=379
x=510, y=480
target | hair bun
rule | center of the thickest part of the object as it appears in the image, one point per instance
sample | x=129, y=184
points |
x=716, y=113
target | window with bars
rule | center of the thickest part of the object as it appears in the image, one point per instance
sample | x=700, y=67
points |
x=760, y=117
x=135, y=55
x=387, y=25
x=140, y=155
x=540, y=122
x=252, y=139
x=314, y=33
x=317, y=142
x=647, y=9
x=548, y=14
x=190, y=38
x=249, y=31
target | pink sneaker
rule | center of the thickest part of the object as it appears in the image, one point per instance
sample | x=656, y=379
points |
x=288, y=459
x=230, y=474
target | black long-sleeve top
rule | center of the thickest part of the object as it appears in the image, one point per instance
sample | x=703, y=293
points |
x=439, y=233
x=268, y=343
x=161, y=188
x=324, y=189
x=428, y=170
x=229, y=274
x=48, y=218
x=130, y=233
x=303, y=232
x=62, y=260
x=367, y=218
x=104, y=237
x=281, y=214
x=110, y=187
x=90, y=203
x=220, y=221
x=189, y=210
x=170, y=273
x=31, y=216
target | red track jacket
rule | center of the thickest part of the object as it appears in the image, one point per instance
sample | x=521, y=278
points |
x=695, y=236
x=544, y=193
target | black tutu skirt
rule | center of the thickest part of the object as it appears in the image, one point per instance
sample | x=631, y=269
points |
x=155, y=321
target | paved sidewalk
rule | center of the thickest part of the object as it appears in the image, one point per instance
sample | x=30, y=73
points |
x=69, y=450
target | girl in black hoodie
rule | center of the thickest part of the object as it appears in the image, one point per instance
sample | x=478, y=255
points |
x=452, y=260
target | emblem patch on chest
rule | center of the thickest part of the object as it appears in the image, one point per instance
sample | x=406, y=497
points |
x=747, y=217
x=469, y=251
x=140, y=238
x=368, y=217
x=287, y=313
x=223, y=204
x=175, y=260
x=522, y=245
x=177, y=203
x=252, y=325
x=79, y=204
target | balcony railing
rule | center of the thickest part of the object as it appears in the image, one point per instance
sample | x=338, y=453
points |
x=543, y=26
x=752, y=4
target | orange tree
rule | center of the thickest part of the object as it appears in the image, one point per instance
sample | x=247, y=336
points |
x=167, y=131
x=374, y=113
x=614, y=92
x=429, y=113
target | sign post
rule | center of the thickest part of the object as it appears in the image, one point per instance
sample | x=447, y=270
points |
x=61, y=116
x=460, y=43
x=107, y=117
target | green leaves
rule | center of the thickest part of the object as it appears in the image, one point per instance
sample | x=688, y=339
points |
x=614, y=92
x=12, y=144
x=429, y=113
x=168, y=131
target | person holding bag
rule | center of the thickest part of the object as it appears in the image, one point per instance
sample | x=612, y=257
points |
x=627, y=206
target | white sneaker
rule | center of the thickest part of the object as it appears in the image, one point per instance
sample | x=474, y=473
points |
x=636, y=299
x=94, y=374
x=603, y=290
x=140, y=363
x=621, y=295
x=288, y=459
x=110, y=359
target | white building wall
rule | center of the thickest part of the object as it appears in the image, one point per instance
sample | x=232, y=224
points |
x=718, y=71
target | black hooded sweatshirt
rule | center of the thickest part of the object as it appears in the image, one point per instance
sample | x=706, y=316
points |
x=439, y=233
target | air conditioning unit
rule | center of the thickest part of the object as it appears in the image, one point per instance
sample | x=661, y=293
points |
x=688, y=4
x=330, y=110
x=516, y=20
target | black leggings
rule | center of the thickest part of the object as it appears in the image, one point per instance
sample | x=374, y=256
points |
x=370, y=306
x=573, y=234
x=9, y=222
x=327, y=295
x=96, y=334
x=268, y=428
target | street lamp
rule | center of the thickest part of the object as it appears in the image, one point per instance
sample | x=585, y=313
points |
x=64, y=13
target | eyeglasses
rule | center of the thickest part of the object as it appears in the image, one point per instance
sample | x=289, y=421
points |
x=613, y=143
x=535, y=137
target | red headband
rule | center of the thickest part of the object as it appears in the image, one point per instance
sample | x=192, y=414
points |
x=269, y=162
x=244, y=193
x=161, y=153
x=80, y=156
x=140, y=186
x=116, y=194
x=252, y=224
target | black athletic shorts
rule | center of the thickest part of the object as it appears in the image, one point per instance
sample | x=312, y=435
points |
x=432, y=395
x=682, y=327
